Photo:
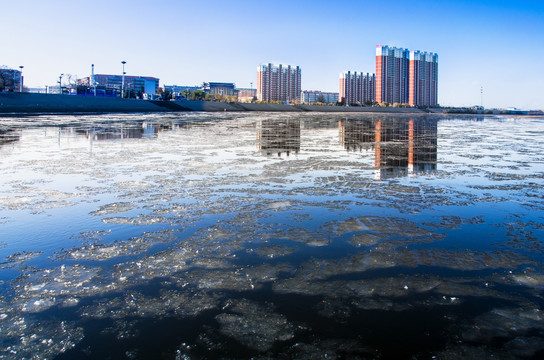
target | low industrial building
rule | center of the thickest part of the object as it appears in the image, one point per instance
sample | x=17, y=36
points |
x=11, y=80
x=246, y=95
x=133, y=84
x=310, y=96
x=219, y=88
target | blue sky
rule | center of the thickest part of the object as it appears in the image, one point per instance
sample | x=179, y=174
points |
x=495, y=44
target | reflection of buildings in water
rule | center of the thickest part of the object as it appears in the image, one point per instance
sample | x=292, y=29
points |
x=119, y=131
x=401, y=147
x=8, y=136
x=101, y=133
x=278, y=136
x=356, y=135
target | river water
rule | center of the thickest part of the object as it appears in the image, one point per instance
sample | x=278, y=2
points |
x=256, y=235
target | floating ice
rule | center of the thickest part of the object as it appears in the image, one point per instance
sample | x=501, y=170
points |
x=254, y=325
x=38, y=290
x=19, y=258
x=272, y=251
x=114, y=208
x=26, y=338
x=169, y=303
x=503, y=323
x=532, y=280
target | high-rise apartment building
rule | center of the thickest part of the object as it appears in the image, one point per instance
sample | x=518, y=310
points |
x=423, y=79
x=406, y=77
x=278, y=83
x=357, y=88
x=392, y=68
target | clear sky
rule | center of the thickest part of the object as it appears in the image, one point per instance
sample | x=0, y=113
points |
x=494, y=44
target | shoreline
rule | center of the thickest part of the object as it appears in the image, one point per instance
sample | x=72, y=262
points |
x=16, y=104
x=27, y=104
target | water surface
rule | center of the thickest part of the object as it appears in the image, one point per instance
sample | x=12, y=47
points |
x=187, y=236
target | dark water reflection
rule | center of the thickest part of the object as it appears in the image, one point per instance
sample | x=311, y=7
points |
x=271, y=236
x=401, y=146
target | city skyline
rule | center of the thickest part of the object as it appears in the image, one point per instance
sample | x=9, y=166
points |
x=186, y=43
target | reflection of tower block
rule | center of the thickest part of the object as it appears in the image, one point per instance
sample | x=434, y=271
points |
x=405, y=146
x=424, y=145
x=113, y=132
x=392, y=146
x=278, y=136
x=355, y=135
x=9, y=136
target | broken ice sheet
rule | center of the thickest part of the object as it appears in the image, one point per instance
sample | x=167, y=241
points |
x=161, y=264
x=534, y=280
x=327, y=349
x=169, y=303
x=114, y=208
x=105, y=252
x=38, y=290
x=130, y=247
x=18, y=259
x=454, y=222
x=461, y=260
x=235, y=279
x=370, y=230
x=28, y=338
x=272, y=251
x=92, y=236
x=254, y=325
x=310, y=237
x=323, y=276
x=137, y=220
x=504, y=323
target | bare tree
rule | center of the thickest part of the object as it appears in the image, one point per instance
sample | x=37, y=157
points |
x=71, y=79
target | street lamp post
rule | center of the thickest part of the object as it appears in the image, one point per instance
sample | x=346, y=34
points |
x=60, y=84
x=93, y=83
x=123, y=80
x=21, y=79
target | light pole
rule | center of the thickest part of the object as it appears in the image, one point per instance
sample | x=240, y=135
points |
x=482, y=97
x=60, y=84
x=21, y=79
x=93, y=84
x=123, y=80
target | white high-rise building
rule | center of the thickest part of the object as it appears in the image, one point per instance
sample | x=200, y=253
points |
x=406, y=77
x=423, y=79
x=357, y=88
x=278, y=83
x=391, y=75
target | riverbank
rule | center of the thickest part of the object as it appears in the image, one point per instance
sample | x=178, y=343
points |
x=220, y=106
x=26, y=103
